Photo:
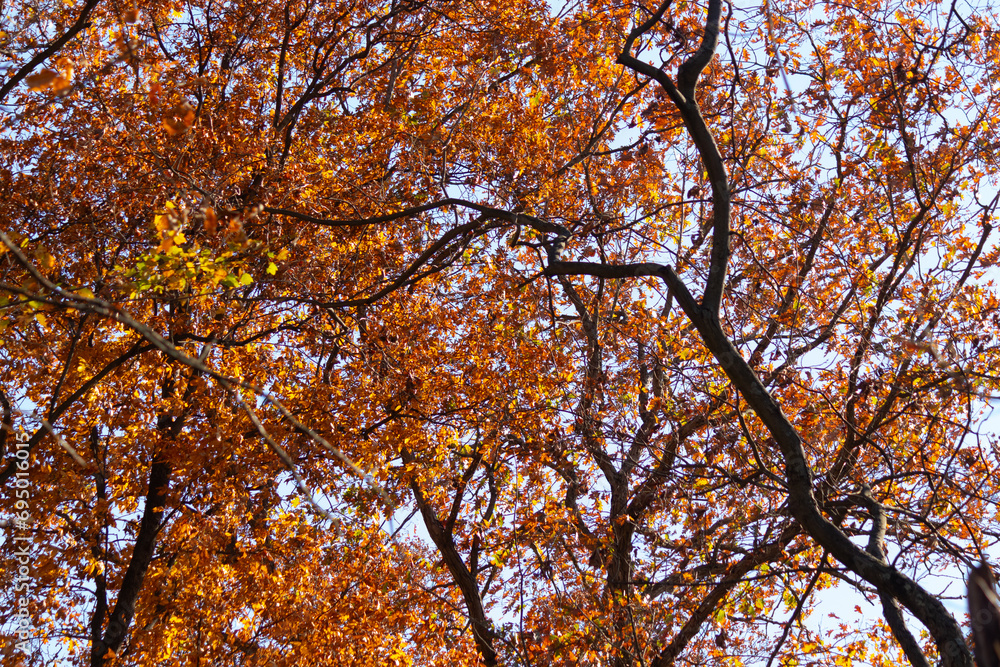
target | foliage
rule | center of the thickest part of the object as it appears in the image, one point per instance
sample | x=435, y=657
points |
x=657, y=320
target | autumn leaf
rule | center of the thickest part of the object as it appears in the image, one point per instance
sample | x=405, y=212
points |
x=211, y=222
x=42, y=80
x=45, y=259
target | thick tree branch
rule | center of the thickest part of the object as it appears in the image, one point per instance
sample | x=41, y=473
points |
x=442, y=537
x=142, y=553
x=705, y=317
x=683, y=97
x=984, y=616
x=689, y=72
x=802, y=502
x=890, y=608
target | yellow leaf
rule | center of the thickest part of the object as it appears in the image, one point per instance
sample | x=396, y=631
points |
x=65, y=65
x=165, y=218
x=45, y=258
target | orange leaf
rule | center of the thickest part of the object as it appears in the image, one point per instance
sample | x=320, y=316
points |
x=42, y=80
x=174, y=126
x=211, y=221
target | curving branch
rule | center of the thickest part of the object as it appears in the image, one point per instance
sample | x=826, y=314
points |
x=704, y=315
x=890, y=608
x=488, y=212
x=464, y=576
x=683, y=97
x=804, y=507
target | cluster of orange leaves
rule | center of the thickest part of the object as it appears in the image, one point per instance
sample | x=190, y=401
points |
x=404, y=441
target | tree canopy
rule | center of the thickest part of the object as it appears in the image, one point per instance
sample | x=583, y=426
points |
x=658, y=321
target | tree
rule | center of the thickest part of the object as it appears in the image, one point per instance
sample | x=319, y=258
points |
x=649, y=315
